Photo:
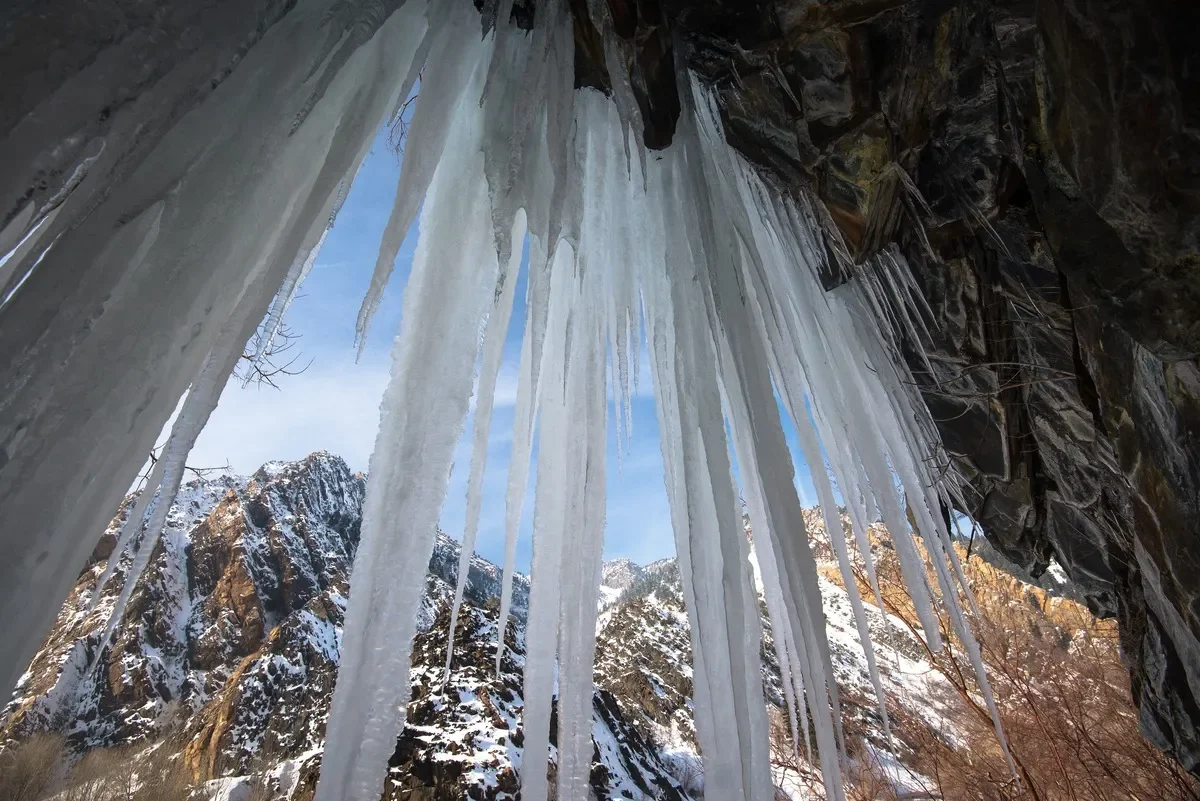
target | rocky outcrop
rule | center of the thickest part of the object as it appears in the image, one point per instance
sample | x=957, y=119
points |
x=241, y=565
x=620, y=574
x=1037, y=164
x=268, y=556
x=231, y=643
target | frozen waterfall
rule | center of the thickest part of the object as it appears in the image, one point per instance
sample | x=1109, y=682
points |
x=123, y=300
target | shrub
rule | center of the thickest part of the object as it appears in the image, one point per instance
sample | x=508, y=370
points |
x=32, y=768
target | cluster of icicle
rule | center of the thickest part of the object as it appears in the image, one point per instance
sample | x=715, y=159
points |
x=688, y=250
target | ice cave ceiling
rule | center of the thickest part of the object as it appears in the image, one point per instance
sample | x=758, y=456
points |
x=1035, y=162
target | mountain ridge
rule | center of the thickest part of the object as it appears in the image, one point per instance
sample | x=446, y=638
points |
x=228, y=651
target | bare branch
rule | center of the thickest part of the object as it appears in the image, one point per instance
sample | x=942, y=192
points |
x=398, y=125
x=265, y=367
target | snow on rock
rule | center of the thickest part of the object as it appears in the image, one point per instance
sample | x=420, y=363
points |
x=617, y=576
x=620, y=574
x=241, y=604
x=233, y=635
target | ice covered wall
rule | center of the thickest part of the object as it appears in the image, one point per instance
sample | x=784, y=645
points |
x=174, y=186
x=686, y=246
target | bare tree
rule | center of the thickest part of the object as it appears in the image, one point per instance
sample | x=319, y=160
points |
x=1062, y=692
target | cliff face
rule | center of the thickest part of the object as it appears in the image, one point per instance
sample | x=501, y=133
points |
x=243, y=566
x=1037, y=165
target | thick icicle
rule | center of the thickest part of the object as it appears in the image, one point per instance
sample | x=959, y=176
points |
x=206, y=195
x=584, y=541
x=708, y=535
x=529, y=372
x=493, y=352
x=423, y=409
x=162, y=485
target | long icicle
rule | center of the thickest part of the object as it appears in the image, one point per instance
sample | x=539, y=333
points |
x=529, y=373
x=556, y=499
x=493, y=353
x=423, y=410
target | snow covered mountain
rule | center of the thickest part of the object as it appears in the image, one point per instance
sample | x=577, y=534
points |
x=230, y=643
x=617, y=576
x=231, y=639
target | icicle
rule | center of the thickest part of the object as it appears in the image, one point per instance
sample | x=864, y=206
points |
x=779, y=532
x=720, y=271
x=206, y=197
x=262, y=294
x=452, y=60
x=512, y=142
x=791, y=386
x=586, y=402
x=837, y=538
x=755, y=416
x=164, y=481
x=708, y=534
x=780, y=641
x=493, y=352
x=422, y=416
x=798, y=691
x=555, y=499
x=506, y=32
x=529, y=373
x=617, y=55
x=131, y=528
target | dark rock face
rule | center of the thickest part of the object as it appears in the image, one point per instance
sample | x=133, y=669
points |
x=1037, y=163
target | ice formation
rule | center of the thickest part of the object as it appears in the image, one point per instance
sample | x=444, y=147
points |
x=689, y=247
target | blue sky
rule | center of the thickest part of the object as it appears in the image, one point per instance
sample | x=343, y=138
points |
x=334, y=404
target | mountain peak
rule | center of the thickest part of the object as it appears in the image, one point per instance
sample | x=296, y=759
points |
x=620, y=574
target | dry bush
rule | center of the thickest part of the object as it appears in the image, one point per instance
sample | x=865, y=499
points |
x=32, y=768
x=788, y=766
x=98, y=776
x=127, y=773
x=1063, y=696
x=163, y=777
x=689, y=772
